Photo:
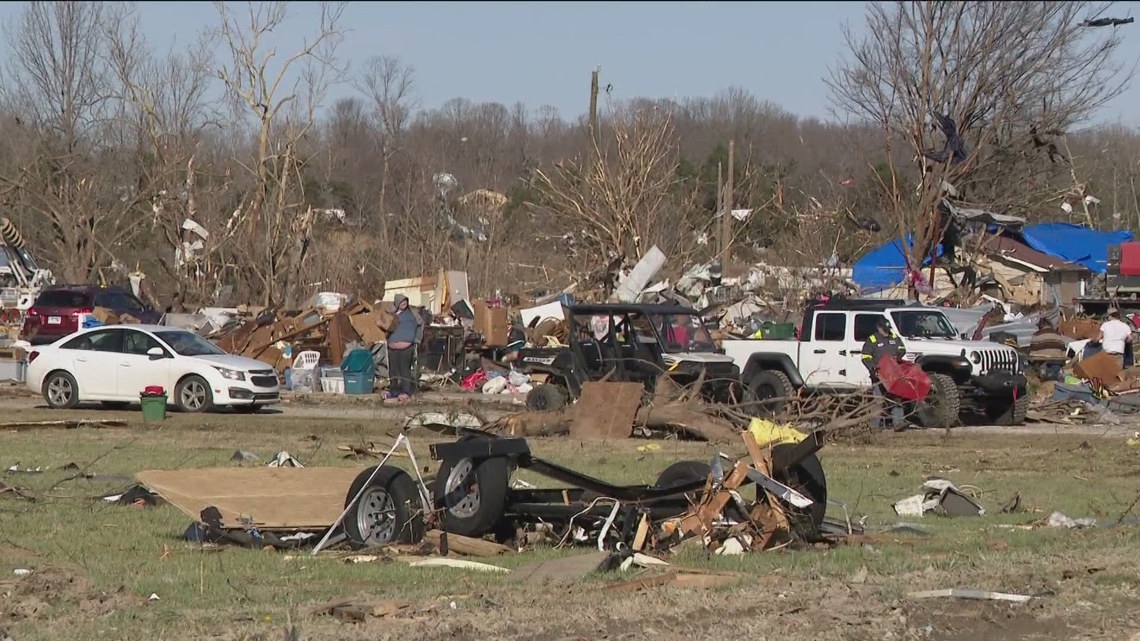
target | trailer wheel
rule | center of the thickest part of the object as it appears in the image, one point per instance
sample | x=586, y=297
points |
x=807, y=478
x=471, y=494
x=389, y=510
x=691, y=471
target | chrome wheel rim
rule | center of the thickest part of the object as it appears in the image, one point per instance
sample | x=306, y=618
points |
x=376, y=516
x=462, y=497
x=193, y=395
x=60, y=391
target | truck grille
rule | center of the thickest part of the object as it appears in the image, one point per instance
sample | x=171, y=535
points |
x=999, y=360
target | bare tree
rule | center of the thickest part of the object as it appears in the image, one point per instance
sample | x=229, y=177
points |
x=389, y=84
x=627, y=199
x=67, y=176
x=164, y=100
x=281, y=96
x=997, y=81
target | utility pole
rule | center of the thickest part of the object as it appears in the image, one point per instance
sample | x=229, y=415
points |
x=720, y=204
x=726, y=210
x=593, y=118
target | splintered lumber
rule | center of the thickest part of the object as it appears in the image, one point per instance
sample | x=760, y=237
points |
x=466, y=546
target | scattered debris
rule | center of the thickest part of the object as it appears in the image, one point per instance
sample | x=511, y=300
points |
x=242, y=456
x=436, y=562
x=940, y=495
x=960, y=593
x=1057, y=519
x=65, y=424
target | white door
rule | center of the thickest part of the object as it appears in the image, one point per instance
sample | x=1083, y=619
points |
x=823, y=357
x=93, y=357
x=137, y=370
x=864, y=325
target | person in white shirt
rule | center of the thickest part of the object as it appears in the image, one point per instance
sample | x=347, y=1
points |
x=1115, y=334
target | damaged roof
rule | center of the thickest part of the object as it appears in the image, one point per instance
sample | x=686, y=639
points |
x=1010, y=249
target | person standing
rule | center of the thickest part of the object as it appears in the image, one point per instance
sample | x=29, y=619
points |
x=883, y=343
x=1115, y=336
x=403, y=341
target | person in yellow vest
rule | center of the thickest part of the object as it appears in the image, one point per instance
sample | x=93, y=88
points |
x=883, y=343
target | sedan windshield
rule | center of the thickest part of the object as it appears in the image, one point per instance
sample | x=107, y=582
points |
x=923, y=324
x=188, y=344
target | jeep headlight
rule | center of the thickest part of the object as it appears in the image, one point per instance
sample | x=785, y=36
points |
x=976, y=357
x=231, y=374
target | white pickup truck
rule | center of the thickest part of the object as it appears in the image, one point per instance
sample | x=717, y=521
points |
x=983, y=378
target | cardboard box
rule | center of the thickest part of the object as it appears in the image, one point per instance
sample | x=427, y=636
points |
x=1099, y=365
x=1080, y=329
x=491, y=322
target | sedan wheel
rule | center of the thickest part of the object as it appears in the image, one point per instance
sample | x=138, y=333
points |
x=61, y=391
x=193, y=394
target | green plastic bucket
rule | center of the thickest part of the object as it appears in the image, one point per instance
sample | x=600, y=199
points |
x=153, y=408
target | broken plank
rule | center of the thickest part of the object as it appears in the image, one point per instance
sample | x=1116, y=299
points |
x=66, y=424
x=566, y=569
x=466, y=545
x=970, y=594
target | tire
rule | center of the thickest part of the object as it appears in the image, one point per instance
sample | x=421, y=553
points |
x=390, y=510
x=547, y=397
x=252, y=408
x=61, y=391
x=1008, y=412
x=193, y=395
x=471, y=494
x=116, y=405
x=807, y=478
x=941, y=406
x=770, y=384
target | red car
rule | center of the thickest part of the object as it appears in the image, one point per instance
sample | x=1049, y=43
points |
x=60, y=310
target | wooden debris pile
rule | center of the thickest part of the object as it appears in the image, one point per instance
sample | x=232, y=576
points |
x=267, y=336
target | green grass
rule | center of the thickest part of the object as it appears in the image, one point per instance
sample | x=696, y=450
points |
x=129, y=553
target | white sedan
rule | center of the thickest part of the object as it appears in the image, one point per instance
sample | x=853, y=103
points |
x=115, y=364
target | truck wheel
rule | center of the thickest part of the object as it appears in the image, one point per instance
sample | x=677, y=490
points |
x=389, y=510
x=1009, y=411
x=767, y=385
x=472, y=494
x=547, y=397
x=941, y=406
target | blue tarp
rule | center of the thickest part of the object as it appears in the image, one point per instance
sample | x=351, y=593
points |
x=1074, y=243
x=883, y=267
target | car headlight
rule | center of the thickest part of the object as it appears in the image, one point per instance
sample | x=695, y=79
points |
x=976, y=358
x=231, y=374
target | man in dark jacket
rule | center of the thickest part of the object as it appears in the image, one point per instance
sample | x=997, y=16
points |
x=879, y=345
x=404, y=339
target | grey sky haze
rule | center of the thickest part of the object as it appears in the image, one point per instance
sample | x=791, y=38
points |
x=541, y=53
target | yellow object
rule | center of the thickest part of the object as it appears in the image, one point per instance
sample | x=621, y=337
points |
x=652, y=447
x=1132, y=442
x=768, y=433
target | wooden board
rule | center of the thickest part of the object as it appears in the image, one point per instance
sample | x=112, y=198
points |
x=606, y=410
x=286, y=498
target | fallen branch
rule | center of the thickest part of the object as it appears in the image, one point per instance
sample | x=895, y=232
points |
x=66, y=424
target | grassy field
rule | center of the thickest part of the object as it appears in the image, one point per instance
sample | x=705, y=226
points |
x=96, y=564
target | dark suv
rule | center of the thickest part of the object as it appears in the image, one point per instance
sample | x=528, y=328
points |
x=61, y=309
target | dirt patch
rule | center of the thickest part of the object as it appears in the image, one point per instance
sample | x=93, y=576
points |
x=31, y=597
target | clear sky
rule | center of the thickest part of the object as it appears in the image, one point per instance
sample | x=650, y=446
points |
x=541, y=53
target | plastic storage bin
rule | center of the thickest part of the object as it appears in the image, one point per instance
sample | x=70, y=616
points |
x=359, y=382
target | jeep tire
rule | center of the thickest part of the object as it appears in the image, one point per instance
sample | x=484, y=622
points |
x=941, y=406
